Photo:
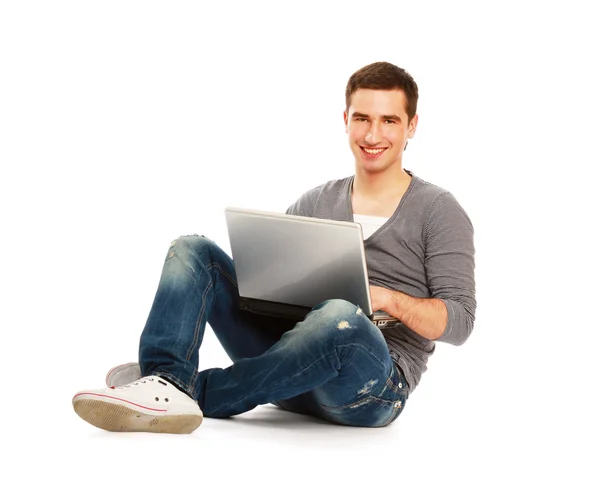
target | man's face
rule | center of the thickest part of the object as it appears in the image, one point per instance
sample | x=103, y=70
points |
x=378, y=128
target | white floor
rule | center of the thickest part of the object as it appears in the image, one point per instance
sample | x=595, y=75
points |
x=481, y=429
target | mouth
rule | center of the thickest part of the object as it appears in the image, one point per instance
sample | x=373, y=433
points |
x=372, y=152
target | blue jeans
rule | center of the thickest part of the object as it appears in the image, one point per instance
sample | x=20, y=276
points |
x=335, y=364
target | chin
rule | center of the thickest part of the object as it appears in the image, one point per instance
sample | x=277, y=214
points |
x=374, y=168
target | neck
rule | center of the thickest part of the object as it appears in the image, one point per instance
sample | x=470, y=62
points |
x=382, y=183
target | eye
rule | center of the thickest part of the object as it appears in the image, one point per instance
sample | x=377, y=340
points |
x=360, y=119
x=390, y=121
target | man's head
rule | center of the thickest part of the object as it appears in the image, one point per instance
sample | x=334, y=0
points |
x=384, y=76
x=380, y=116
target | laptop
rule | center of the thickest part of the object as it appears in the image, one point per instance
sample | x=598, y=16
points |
x=287, y=264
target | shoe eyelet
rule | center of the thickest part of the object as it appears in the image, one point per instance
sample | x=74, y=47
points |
x=166, y=399
x=156, y=398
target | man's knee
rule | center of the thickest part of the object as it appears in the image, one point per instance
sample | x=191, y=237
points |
x=190, y=245
x=338, y=325
x=335, y=316
x=343, y=311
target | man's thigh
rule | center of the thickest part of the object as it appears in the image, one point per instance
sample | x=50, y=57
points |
x=378, y=399
x=369, y=389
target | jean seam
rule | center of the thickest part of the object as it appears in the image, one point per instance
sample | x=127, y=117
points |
x=364, y=400
x=390, y=384
x=194, y=344
x=231, y=280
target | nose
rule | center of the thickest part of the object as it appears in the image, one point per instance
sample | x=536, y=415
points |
x=374, y=134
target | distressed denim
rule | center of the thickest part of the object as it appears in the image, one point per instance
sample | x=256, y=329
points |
x=334, y=364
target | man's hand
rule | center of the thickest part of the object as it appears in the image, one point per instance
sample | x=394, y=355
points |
x=380, y=298
x=425, y=316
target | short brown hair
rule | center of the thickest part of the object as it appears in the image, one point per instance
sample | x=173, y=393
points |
x=385, y=76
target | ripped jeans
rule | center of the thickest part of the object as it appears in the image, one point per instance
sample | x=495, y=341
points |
x=335, y=364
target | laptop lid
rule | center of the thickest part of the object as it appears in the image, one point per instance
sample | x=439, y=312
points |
x=294, y=260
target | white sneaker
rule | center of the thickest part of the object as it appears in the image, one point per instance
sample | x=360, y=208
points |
x=150, y=404
x=123, y=374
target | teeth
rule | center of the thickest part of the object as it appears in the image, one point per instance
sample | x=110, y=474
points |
x=373, y=151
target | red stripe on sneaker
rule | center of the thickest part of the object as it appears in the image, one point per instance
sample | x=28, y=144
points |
x=121, y=400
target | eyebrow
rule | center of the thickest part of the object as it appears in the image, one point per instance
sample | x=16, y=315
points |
x=385, y=117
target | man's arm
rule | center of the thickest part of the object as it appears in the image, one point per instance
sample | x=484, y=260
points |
x=449, y=315
x=425, y=316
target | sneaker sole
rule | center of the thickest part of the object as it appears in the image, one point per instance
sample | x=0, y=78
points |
x=119, y=418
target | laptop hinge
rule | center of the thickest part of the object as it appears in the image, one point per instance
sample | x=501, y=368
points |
x=265, y=307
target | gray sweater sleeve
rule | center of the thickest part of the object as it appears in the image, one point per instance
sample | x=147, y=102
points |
x=305, y=205
x=450, y=265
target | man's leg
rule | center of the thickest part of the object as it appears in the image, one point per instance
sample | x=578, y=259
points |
x=335, y=361
x=197, y=286
x=335, y=364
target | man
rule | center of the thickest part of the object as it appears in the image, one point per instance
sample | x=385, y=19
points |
x=335, y=364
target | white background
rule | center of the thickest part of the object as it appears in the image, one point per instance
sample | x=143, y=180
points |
x=126, y=124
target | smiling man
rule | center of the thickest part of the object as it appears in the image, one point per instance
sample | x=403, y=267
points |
x=420, y=260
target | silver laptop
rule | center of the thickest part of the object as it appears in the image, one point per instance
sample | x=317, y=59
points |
x=285, y=264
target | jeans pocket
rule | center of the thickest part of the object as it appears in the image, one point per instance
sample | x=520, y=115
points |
x=377, y=409
x=396, y=381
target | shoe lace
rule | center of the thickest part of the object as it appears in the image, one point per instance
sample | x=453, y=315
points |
x=143, y=380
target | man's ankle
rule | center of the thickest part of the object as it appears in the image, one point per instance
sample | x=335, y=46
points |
x=173, y=381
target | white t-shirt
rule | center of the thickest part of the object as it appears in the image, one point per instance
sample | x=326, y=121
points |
x=369, y=223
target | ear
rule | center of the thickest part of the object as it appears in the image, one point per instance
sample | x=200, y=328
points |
x=412, y=126
x=346, y=120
